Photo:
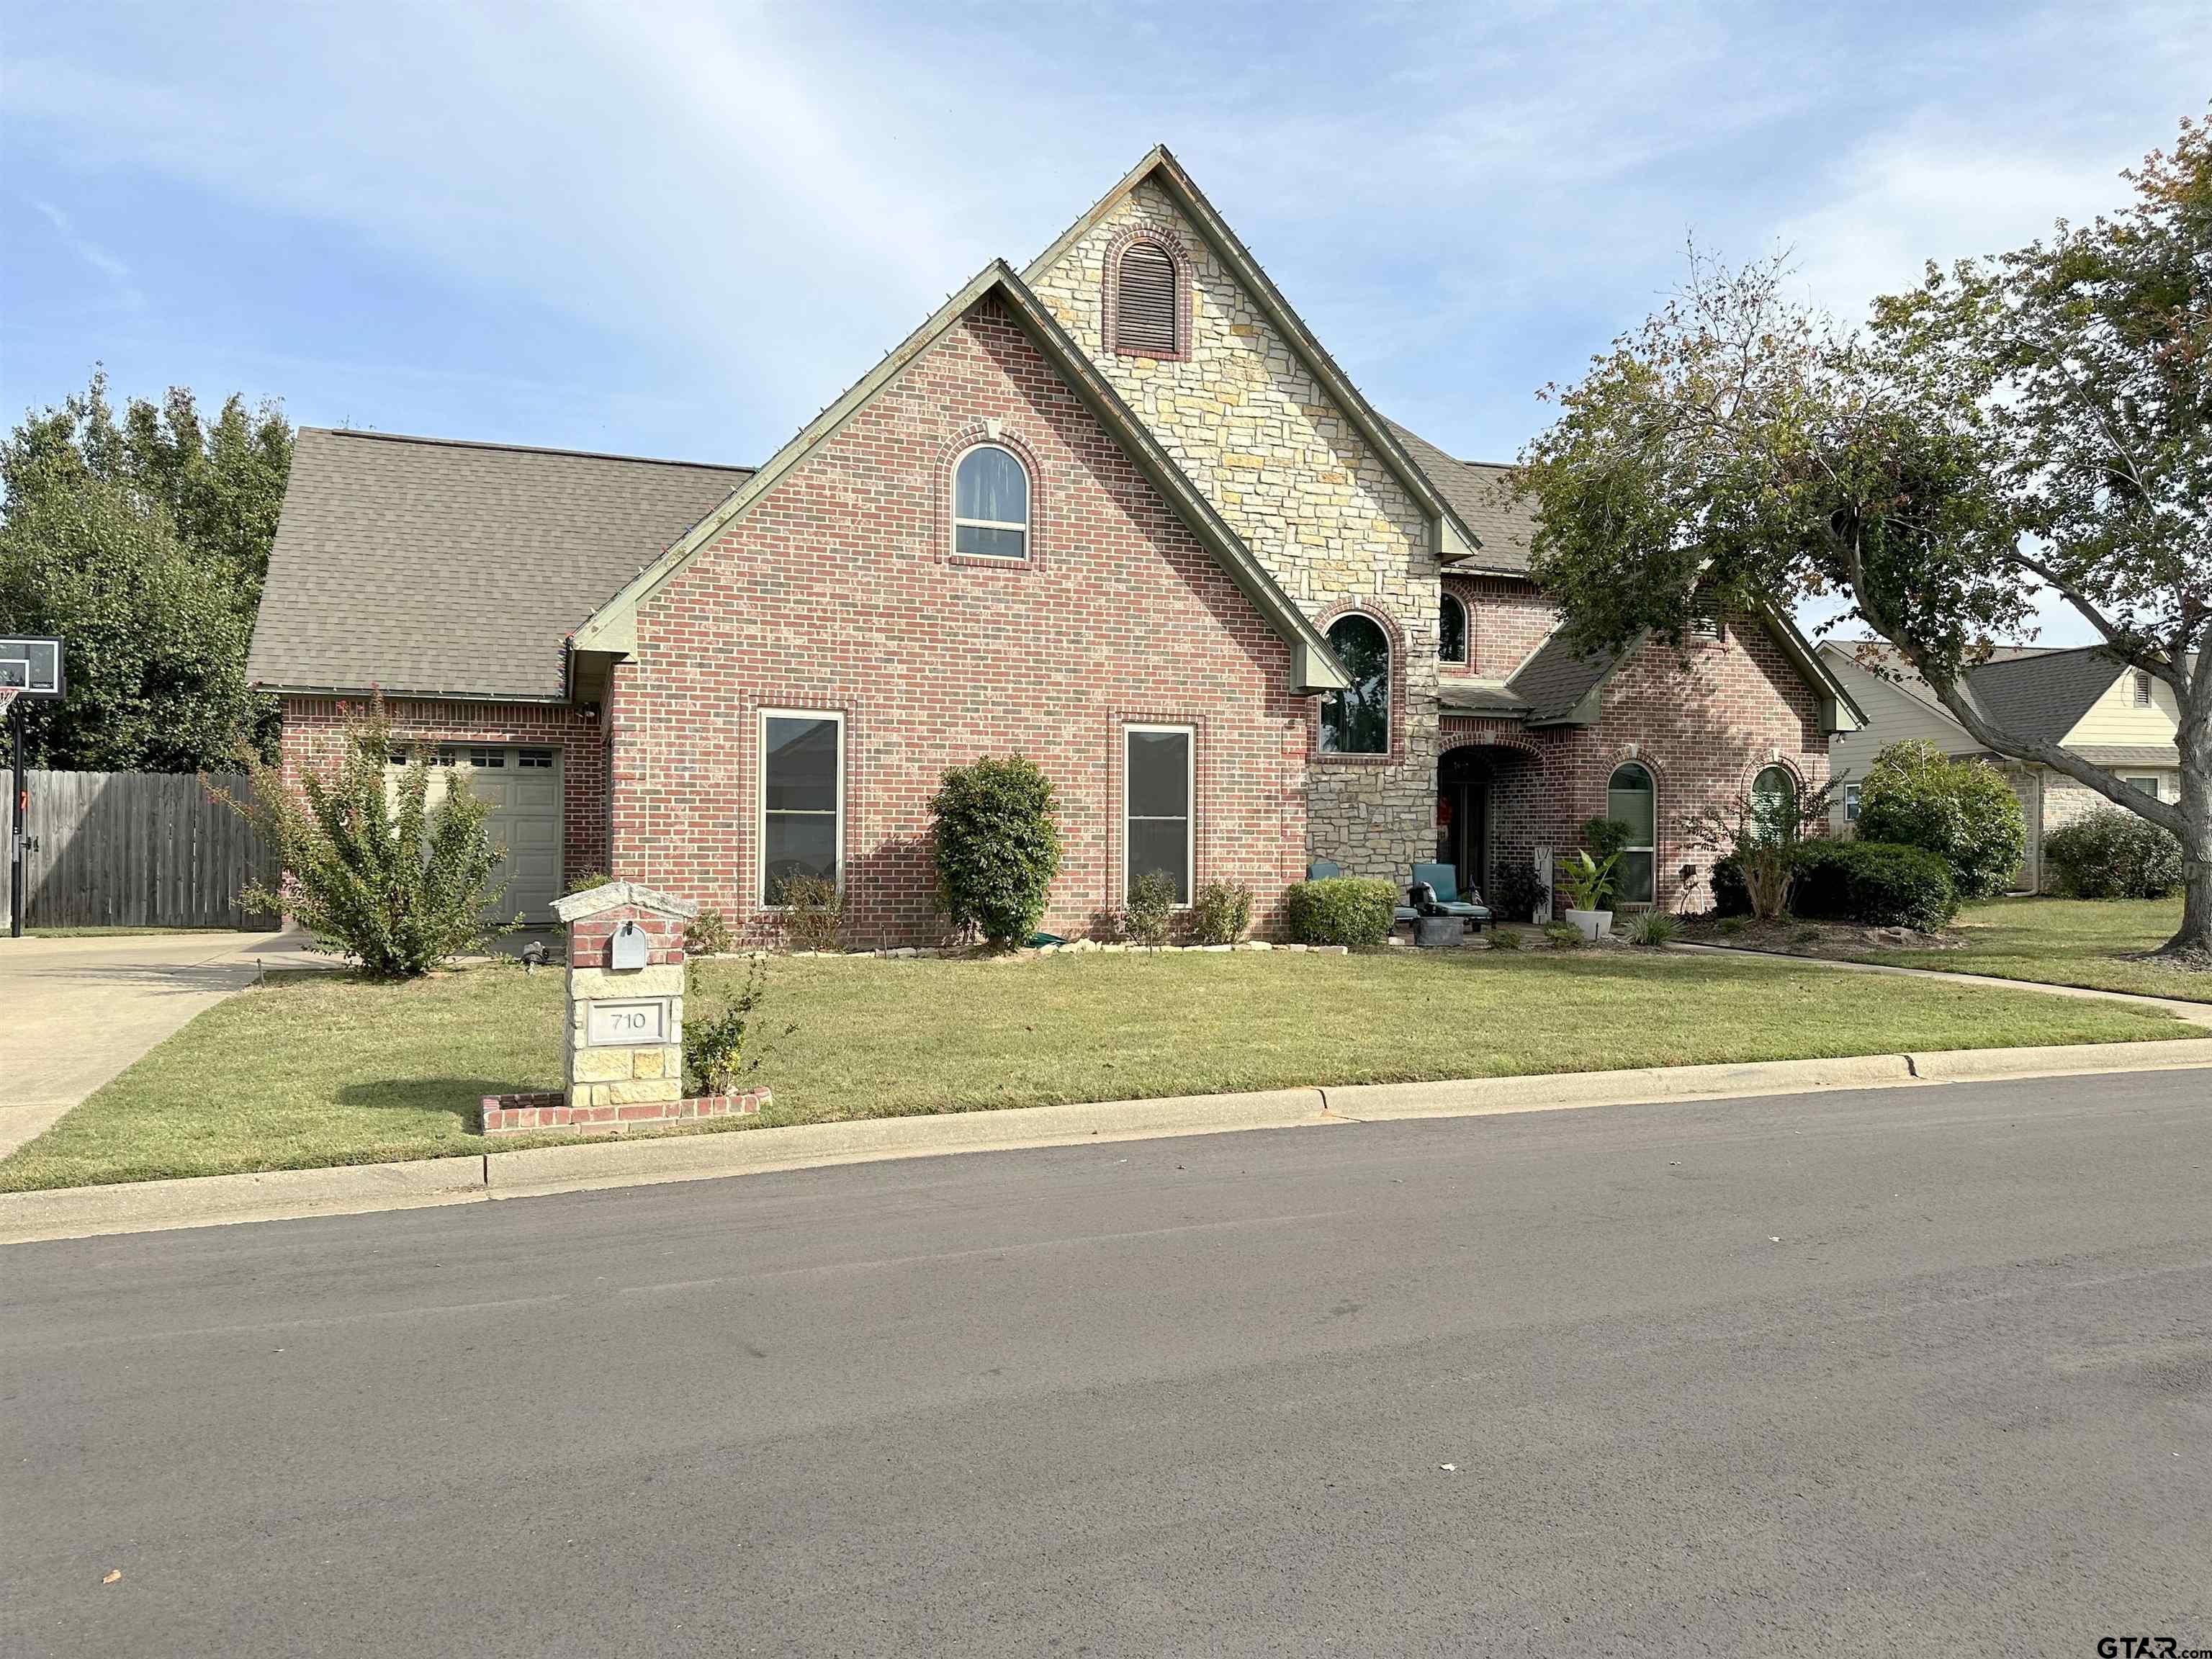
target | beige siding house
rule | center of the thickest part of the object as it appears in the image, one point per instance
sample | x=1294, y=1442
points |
x=2085, y=699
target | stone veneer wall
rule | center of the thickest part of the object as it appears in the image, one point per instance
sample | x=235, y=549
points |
x=313, y=735
x=1290, y=471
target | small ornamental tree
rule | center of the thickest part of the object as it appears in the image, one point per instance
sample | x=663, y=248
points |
x=371, y=869
x=2037, y=422
x=996, y=847
x=1963, y=812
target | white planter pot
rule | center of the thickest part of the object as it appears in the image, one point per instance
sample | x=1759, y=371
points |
x=1595, y=923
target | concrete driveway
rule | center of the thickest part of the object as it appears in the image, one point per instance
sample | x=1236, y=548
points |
x=75, y=1011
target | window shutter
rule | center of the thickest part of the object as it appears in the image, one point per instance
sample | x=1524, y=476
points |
x=1144, y=302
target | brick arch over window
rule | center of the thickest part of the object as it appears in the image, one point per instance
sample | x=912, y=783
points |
x=1393, y=636
x=948, y=454
x=1152, y=237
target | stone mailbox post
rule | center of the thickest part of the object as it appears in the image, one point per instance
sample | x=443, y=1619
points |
x=624, y=1039
x=626, y=977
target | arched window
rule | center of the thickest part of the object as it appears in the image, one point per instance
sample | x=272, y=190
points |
x=991, y=504
x=1632, y=797
x=1357, y=720
x=1451, y=631
x=1774, y=804
x=1145, y=300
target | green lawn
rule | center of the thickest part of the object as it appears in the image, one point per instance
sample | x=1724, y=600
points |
x=2083, y=942
x=313, y=1069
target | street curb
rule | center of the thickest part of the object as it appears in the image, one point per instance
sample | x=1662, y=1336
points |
x=220, y=1200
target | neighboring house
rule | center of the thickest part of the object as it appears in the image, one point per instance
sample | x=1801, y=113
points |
x=1120, y=513
x=2085, y=699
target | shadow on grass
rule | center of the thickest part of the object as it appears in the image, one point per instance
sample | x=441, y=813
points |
x=462, y=1097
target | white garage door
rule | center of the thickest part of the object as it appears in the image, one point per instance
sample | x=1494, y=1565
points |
x=523, y=785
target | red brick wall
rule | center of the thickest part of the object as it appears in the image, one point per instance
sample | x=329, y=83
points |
x=314, y=736
x=1505, y=619
x=836, y=591
x=591, y=938
x=1705, y=720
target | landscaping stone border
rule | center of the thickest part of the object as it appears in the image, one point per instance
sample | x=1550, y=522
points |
x=514, y=1115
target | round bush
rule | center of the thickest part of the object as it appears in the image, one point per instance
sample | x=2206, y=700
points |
x=1875, y=884
x=1340, y=910
x=1963, y=812
x=2114, y=854
x=996, y=847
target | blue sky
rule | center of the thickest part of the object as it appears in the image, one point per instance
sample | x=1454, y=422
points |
x=679, y=229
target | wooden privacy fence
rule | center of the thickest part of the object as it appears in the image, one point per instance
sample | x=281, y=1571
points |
x=137, y=850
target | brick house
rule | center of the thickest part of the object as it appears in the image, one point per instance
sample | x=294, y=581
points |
x=1119, y=512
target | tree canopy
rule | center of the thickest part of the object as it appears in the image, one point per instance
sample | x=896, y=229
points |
x=2040, y=419
x=142, y=542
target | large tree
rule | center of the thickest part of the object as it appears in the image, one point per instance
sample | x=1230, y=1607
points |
x=142, y=542
x=2037, y=420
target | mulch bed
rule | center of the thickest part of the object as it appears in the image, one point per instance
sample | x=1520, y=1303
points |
x=1795, y=938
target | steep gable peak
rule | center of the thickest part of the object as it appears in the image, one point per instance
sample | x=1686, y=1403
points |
x=1160, y=169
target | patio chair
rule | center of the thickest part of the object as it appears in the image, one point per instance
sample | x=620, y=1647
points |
x=1444, y=879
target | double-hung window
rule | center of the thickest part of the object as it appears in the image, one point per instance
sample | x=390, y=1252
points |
x=802, y=799
x=1158, y=781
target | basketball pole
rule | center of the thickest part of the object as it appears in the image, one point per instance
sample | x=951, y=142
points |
x=16, y=803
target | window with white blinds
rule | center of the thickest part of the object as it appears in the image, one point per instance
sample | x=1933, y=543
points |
x=1144, y=302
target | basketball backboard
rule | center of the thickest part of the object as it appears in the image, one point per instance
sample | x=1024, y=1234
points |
x=31, y=665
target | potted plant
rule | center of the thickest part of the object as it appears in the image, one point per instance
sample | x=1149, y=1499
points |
x=1588, y=883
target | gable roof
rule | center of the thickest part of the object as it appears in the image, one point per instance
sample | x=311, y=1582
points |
x=428, y=566
x=1561, y=684
x=2042, y=697
x=1160, y=166
x=1314, y=667
x=1502, y=521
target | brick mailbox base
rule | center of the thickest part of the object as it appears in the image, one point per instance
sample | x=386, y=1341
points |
x=514, y=1115
x=625, y=984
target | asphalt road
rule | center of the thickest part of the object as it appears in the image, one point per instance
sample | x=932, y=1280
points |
x=1922, y=1370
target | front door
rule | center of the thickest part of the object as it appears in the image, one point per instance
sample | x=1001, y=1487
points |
x=1462, y=830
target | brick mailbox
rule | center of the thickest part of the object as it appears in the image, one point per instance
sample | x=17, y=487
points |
x=624, y=1063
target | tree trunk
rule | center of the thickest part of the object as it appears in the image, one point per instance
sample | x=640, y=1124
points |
x=2194, y=941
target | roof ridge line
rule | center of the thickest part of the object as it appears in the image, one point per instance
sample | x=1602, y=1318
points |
x=525, y=449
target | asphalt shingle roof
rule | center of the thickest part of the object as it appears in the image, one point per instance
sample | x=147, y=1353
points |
x=423, y=565
x=1477, y=492
x=1556, y=677
x=2043, y=697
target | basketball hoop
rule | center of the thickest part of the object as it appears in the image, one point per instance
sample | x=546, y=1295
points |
x=8, y=696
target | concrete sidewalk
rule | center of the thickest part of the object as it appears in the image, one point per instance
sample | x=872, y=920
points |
x=79, y=1011
x=284, y=1194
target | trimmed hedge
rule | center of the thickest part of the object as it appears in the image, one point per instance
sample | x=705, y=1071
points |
x=1341, y=910
x=2114, y=854
x=1877, y=884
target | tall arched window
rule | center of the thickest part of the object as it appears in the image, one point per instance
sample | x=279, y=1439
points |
x=991, y=504
x=1145, y=300
x=1451, y=631
x=1357, y=720
x=1774, y=804
x=1632, y=797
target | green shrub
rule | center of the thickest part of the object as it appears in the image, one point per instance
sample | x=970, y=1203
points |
x=1565, y=934
x=723, y=1047
x=1654, y=927
x=812, y=911
x=707, y=934
x=1963, y=812
x=1608, y=838
x=1222, y=913
x=585, y=882
x=369, y=869
x=1508, y=938
x=1349, y=910
x=1731, y=896
x=1151, y=913
x=1518, y=891
x=2114, y=853
x=1731, y=925
x=1877, y=883
x=996, y=848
